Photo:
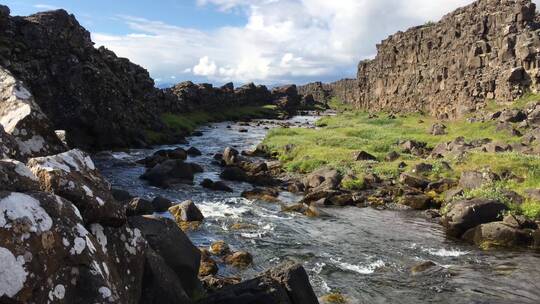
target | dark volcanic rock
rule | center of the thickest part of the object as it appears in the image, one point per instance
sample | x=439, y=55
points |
x=171, y=172
x=467, y=214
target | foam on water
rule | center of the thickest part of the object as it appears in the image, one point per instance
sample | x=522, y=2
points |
x=361, y=269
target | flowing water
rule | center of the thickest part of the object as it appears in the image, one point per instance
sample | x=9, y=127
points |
x=365, y=254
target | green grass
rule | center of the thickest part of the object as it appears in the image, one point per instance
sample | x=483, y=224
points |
x=338, y=137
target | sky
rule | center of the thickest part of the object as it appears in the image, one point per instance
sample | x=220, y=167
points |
x=263, y=41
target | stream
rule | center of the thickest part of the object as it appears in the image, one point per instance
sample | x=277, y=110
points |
x=365, y=254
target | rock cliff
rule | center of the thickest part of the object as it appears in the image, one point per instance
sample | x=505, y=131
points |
x=486, y=50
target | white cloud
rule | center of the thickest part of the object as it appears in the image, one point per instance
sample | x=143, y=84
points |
x=283, y=40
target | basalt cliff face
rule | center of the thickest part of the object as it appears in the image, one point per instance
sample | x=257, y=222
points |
x=487, y=50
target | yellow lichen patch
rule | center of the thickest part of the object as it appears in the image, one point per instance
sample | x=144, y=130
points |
x=333, y=298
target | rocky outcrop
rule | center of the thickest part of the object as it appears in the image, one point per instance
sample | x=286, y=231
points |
x=486, y=50
x=22, y=118
x=99, y=99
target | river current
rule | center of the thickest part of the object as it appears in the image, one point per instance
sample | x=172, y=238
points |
x=364, y=254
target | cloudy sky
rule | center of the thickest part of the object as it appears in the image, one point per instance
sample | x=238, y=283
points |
x=265, y=41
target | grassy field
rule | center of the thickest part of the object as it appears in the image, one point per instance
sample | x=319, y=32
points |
x=188, y=122
x=338, y=137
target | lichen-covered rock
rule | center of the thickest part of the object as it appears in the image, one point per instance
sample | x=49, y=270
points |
x=8, y=146
x=466, y=214
x=22, y=118
x=15, y=176
x=240, y=259
x=169, y=242
x=73, y=175
x=47, y=254
x=186, y=211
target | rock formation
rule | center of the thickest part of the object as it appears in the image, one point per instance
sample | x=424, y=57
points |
x=486, y=50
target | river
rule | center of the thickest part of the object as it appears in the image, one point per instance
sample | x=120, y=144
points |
x=365, y=254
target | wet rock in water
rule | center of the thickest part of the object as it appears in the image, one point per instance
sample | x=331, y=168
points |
x=160, y=283
x=16, y=177
x=322, y=179
x=417, y=202
x=139, y=206
x=413, y=181
x=253, y=167
x=243, y=130
x=73, y=176
x=197, y=133
x=171, y=172
x=216, y=186
x=49, y=232
x=186, y=211
x=161, y=204
x=287, y=283
x=239, y=259
x=432, y=213
x=192, y=151
x=213, y=282
x=421, y=267
x=466, y=214
x=174, y=247
x=476, y=179
x=230, y=156
x=364, y=156
x=121, y=195
x=23, y=119
x=264, y=194
x=219, y=248
x=208, y=265
x=498, y=234
x=234, y=174
x=392, y=156
x=163, y=155
x=333, y=298
x=438, y=129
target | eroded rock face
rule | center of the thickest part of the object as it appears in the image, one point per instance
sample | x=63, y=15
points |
x=8, y=146
x=73, y=176
x=48, y=255
x=486, y=50
x=15, y=176
x=22, y=118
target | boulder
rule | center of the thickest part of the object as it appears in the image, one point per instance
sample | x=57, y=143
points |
x=208, y=265
x=422, y=168
x=512, y=115
x=216, y=186
x=171, y=172
x=192, y=151
x=163, y=155
x=230, y=156
x=50, y=255
x=497, y=234
x=160, y=284
x=74, y=176
x=121, y=195
x=442, y=185
x=177, y=251
x=416, y=201
x=466, y=214
x=322, y=179
x=22, y=118
x=364, y=156
x=413, y=181
x=16, y=177
x=264, y=194
x=139, y=206
x=287, y=284
x=186, y=211
x=392, y=156
x=161, y=204
x=519, y=222
x=476, y=179
x=234, y=174
x=422, y=267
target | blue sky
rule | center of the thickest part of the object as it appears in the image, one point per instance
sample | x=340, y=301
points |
x=264, y=41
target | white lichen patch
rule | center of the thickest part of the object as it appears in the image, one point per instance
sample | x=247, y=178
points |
x=134, y=237
x=88, y=191
x=12, y=273
x=21, y=169
x=97, y=231
x=58, y=292
x=18, y=206
x=32, y=145
x=105, y=292
x=10, y=118
x=78, y=246
x=100, y=201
